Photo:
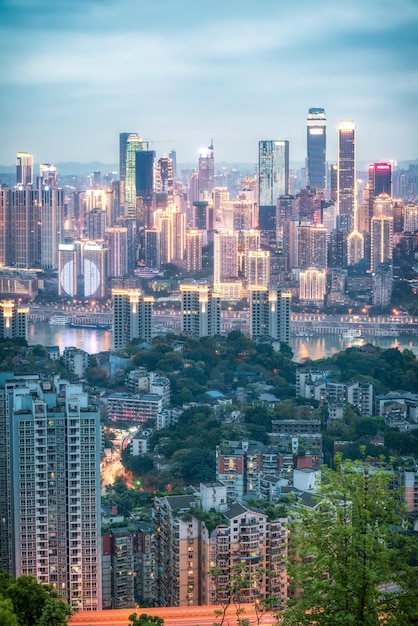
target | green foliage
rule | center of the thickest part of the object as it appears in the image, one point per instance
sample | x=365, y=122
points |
x=145, y=620
x=7, y=614
x=347, y=550
x=32, y=604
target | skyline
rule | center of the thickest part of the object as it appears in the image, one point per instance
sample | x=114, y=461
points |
x=74, y=77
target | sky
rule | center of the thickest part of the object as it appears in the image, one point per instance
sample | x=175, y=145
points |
x=76, y=73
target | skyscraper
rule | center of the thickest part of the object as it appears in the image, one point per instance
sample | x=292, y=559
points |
x=194, y=245
x=381, y=233
x=206, y=173
x=67, y=269
x=52, y=505
x=52, y=225
x=225, y=257
x=132, y=316
x=316, y=149
x=117, y=240
x=133, y=145
x=94, y=270
x=153, y=248
x=380, y=181
x=346, y=178
x=144, y=181
x=24, y=169
x=273, y=163
x=24, y=227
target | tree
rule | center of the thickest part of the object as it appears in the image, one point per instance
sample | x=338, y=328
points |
x=350, y=555
x=35, y=604
x=145, y=620
x=7, y=614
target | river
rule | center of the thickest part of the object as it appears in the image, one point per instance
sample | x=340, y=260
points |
x=92, y=341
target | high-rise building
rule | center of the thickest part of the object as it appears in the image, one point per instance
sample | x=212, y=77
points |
x=312, y=246
x=132, y=316
x=194, y=245
x=258, y=267
x=410, y=218
x=355, y=247
x=164, y=181
x=382, y=284
x=117, y=242
x=225, y=257
x=96, y=224
x=94, y=270
x=201, y=310
x=50, y=484
x=312, y=286
x=347, y=176
x=153, y=248
x=380, y=181
x=4, y=227
x=179, y=235
x=24, y=169
x=144, y=182
x=206, y=173
x=67, y=269
x=381, y=233
x=273, y=181
x=24, y=227
x=52, y=225
x=133, y=145
x=337, y=250
x=269, y=313
x=13, y=320
x=244, y=536
x=316, y=149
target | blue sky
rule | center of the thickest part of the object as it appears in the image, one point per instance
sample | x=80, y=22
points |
x=75, y=73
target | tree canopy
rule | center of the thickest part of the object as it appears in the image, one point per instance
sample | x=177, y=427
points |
x=352, y=557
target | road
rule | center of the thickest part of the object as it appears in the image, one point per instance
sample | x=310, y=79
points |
x=173, y=616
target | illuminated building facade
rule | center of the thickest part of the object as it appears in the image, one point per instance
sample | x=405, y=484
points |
x=258, y=267
x=133, y=145
x=316, y=149
x=312, y=286
x=273, y=160
x=269, y=312
x=117, y=241
x=201, y=310
x=94, y=270
x=67, y=269
x=24, y=169
x=380, y=181
x=346, y=178
x=225, y=257
x=132, y=317
x=194, y=245
x=381, y=241
x=144, y=182
x=13, y=320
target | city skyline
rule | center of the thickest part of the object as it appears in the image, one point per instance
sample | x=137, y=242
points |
x=180, y=77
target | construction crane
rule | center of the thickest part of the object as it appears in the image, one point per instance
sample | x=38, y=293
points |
x=148, y=141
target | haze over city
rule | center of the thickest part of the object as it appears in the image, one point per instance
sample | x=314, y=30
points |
x=75, y=75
